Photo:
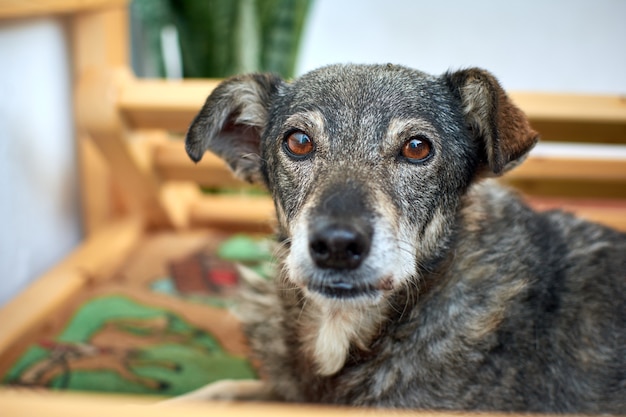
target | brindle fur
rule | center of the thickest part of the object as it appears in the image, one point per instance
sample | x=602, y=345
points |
x=465, y=298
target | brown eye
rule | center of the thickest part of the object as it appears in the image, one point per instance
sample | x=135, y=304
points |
x=298, y=144
x=416, y=149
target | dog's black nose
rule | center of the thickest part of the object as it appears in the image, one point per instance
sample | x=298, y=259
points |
x=339, y=246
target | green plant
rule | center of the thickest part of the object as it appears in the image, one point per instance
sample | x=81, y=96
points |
x=219, y=38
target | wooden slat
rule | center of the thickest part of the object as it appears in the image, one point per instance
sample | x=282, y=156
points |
x=572, y=107
x=11, y=9
x=172, y=163
x=245, y=212
x=161, y=104
x=575, y=118
x=573, y=131
x=568, y=189
x=570, y=169
x=16, y=403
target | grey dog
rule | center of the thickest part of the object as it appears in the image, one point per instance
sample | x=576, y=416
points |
x=407, y=278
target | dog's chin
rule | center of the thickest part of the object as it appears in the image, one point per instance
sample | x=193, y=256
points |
x=344, y=291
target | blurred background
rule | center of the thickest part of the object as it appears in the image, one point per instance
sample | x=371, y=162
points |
x=560, y=45
x=531, y=45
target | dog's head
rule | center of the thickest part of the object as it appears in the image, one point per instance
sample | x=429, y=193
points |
x=366, y=164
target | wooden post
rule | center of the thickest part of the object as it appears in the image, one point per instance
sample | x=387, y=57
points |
x=98, y=42
x=101, y=50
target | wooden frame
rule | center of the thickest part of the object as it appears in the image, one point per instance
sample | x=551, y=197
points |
x=76, y=405
x=124, y=130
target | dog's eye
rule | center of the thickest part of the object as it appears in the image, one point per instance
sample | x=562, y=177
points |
x=298, y=144
x=417, y=149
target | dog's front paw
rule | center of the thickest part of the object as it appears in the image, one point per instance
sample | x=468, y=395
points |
x=227, y=390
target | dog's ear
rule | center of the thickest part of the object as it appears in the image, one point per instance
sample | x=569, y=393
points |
x=502, y=128
x=231, y=123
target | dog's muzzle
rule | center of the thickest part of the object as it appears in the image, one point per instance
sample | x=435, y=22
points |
x=339, y=247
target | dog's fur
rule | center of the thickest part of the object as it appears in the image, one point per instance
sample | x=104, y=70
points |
x=443, y=290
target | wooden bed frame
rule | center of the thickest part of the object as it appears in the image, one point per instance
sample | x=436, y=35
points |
x=125, y=129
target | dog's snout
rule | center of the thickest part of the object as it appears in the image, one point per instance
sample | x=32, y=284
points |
x=337, y=246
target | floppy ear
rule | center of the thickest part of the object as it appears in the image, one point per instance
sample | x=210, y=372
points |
x=502, y=128
x=231, y=123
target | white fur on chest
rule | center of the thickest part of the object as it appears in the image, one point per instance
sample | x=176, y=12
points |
x=332, y=328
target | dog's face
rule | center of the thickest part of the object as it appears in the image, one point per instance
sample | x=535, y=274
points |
x=367, y=165
x=357, y=161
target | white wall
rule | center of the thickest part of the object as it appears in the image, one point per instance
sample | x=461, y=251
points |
x=548, y=45
x=39, y=216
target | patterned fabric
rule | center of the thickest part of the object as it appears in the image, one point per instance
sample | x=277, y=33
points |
x=160, y=328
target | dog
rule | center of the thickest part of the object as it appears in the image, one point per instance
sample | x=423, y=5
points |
x=407, y=278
